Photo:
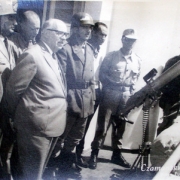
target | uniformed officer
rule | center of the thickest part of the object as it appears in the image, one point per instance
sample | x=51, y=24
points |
x=118, y=74
x=98, y=38
x=9, y=54
x=77, y=59
x=8, y=21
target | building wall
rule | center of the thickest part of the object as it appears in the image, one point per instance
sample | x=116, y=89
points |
x=157, y=23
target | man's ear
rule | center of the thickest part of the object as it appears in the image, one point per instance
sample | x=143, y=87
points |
x=122, y=39
x=44, y=33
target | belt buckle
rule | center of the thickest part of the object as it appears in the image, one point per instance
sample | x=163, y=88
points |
x=86, y=84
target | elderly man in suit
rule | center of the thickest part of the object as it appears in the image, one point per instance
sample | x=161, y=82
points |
x=36, y=94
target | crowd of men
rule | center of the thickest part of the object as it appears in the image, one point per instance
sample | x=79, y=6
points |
x=51, y=88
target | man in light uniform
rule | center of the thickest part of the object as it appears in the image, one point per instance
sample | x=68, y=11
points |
x=118, y=74
x=9, y=54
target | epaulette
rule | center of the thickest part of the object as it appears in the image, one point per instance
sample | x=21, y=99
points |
x=112, y=52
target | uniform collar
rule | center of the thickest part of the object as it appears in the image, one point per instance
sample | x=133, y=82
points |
x=129, y=56
x=95, y=48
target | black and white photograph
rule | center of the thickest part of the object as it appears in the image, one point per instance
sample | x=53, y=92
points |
x=89, y=90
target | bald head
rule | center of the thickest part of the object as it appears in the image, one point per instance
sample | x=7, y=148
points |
x=54, y=32
x=27, y=16
x=29, y=23
x=55, y=24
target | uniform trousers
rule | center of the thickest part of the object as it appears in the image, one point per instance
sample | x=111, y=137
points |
x=74, y=132
x=112, y=101
x=80, y=146
x=33, y=151
x=7, y=141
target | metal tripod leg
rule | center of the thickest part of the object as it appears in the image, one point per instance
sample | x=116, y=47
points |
x=142, y=156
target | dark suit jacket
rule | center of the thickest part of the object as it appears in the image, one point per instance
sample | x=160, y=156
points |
x=78, y=68
x=36, y=94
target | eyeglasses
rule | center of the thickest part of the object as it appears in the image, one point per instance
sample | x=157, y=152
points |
x=59, y=33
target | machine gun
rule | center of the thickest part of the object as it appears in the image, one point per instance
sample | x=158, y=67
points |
x=152, y=88
x=147, y=96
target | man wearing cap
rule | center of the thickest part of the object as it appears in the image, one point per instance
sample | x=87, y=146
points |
x=36, y=95
x=9, y=54
x=8, y=25
x=118, y=74
x=77, y=59
x=97, y=40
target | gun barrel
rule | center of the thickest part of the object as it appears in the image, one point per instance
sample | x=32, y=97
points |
x=138, y=98
x=166, y=76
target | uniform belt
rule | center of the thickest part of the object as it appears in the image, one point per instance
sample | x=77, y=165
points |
x=80, y=85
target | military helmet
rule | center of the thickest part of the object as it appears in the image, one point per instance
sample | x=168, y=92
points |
x=81, y=18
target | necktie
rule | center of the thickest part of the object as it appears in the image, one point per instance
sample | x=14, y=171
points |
x=6, y=45
x=7, y=48
x=5, y=42
x=59, y=69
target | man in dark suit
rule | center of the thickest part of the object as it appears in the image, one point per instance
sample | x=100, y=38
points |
x=36, y=95
x=77, y=60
